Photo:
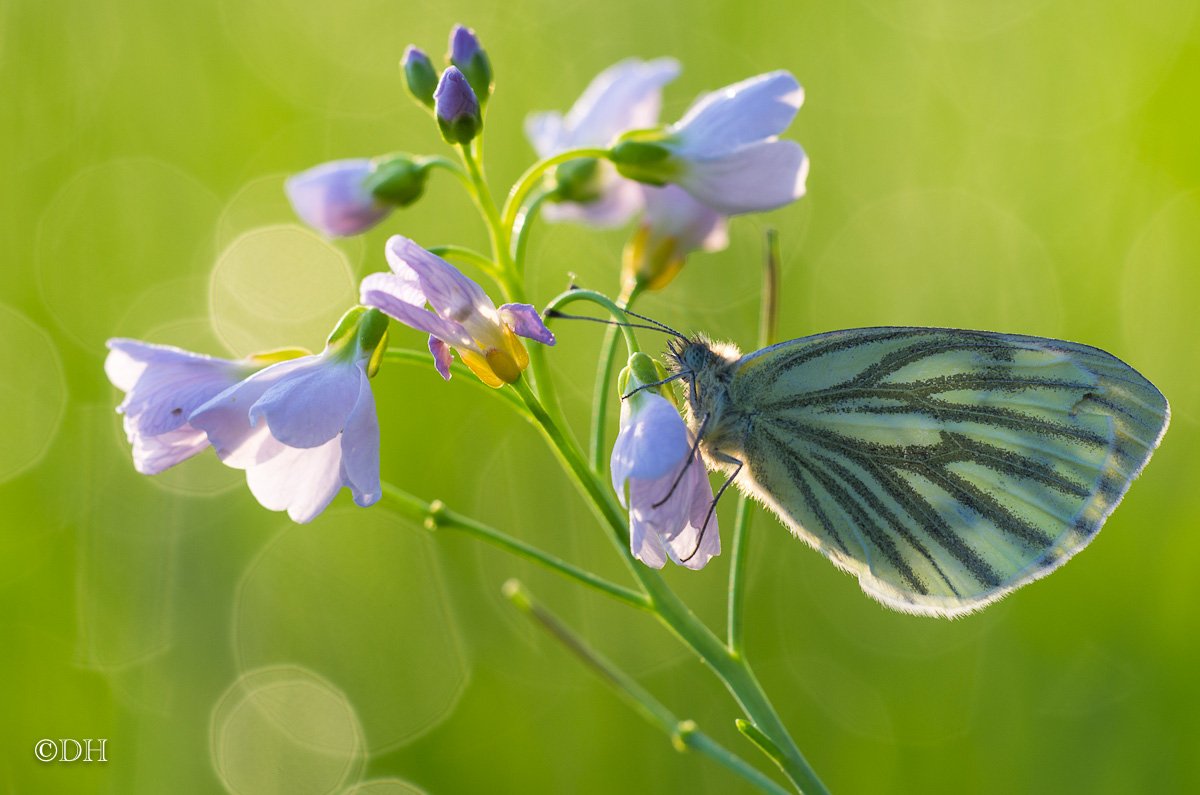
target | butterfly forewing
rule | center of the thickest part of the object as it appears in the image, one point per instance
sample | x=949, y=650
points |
x=944, y=467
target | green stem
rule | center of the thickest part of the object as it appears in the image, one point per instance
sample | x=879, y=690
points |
x=737, y=576
x=600, y=393
x=684, y=734
x=571, y=296
x=437, y=161
x=532, y=175
x=674, y=614
x=435, y=515
x=766, y=745
x=425, y=359
x=520, y=229
x=467, y=255
x=509, y=278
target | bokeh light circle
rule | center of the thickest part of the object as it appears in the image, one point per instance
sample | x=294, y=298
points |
x=34, y=393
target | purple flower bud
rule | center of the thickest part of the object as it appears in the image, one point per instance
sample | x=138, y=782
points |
x=456, y=108
x=464, y=45
x=472, y=60
x=420, y=78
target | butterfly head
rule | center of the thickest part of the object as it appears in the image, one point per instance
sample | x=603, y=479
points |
x=703, y=365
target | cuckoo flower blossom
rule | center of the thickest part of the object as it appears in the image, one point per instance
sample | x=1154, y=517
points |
x=463, y=316
x=669, y=492
x=625, y=96
x=673, y=226
x=304, y=428
x=348, y=197
x=334, y=199
x=162, y=386
x=725, y=151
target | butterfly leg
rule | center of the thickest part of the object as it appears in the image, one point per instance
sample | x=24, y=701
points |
x=691, y=459
x=724, y=459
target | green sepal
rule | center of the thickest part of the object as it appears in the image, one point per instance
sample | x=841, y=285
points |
x=398, y=179
x=575, y=181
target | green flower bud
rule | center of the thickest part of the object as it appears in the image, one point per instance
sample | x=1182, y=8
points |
x=398, y=179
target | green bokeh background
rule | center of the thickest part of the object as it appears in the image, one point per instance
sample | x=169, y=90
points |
x=1029, y=166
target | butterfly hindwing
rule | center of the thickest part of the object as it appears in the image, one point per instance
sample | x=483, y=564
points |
x=943, y=467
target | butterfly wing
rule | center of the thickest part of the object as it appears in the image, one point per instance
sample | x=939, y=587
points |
x=944, y=467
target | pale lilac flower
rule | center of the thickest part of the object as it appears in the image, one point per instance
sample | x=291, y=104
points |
x=304, y=428
x=335, y=199
x=673, y=226
x=456, y=108
x=625, y=96
x=463, y=316
x=725, y=151
x=652, y=448
x=162, y=386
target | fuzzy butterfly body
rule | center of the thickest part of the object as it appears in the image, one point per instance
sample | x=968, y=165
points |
x=943, y=467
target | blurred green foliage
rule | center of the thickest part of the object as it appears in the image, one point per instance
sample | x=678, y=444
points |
x=1027, y=166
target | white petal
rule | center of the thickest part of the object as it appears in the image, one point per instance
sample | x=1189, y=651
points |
x=684, y=544
x=387, y=293
x=302, y=481
x=753, y=110
x=754, y=178
x=153, y=454
x=645, y=544
x=671, y=212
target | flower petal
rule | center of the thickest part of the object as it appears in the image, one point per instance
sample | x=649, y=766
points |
x=387, y=292
x=441, y=356
x=672, y=213
x=625, y=96
x=546, y=132
x=360, y=446
x=698, y=549
x=759, y=108
x=652, y=441
x=755, y=178
x=153, y=454
x=226, y=418
x=333, y=198
x=309, y=406
x=302, y=481
x=164, y=384
x=645, y=544
x=525, y=321
x=451, y=294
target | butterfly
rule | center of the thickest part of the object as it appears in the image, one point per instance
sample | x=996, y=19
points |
x=945, y=468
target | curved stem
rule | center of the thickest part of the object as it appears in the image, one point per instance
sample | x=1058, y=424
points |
x=508, y=277
x=520, y=229
x=532, y=175
x=437, y=161
x=469, y=256
x=571, y=296
x=600, y=393
x=434, y=515
x=683, y=733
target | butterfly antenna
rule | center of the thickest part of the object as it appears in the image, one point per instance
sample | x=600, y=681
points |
x=666, y=380
x=554, y=313
x=690, y=461
x=661, y=325
x=711, y=510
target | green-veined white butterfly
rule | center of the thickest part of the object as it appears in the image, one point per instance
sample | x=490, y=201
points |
x=943, y=467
